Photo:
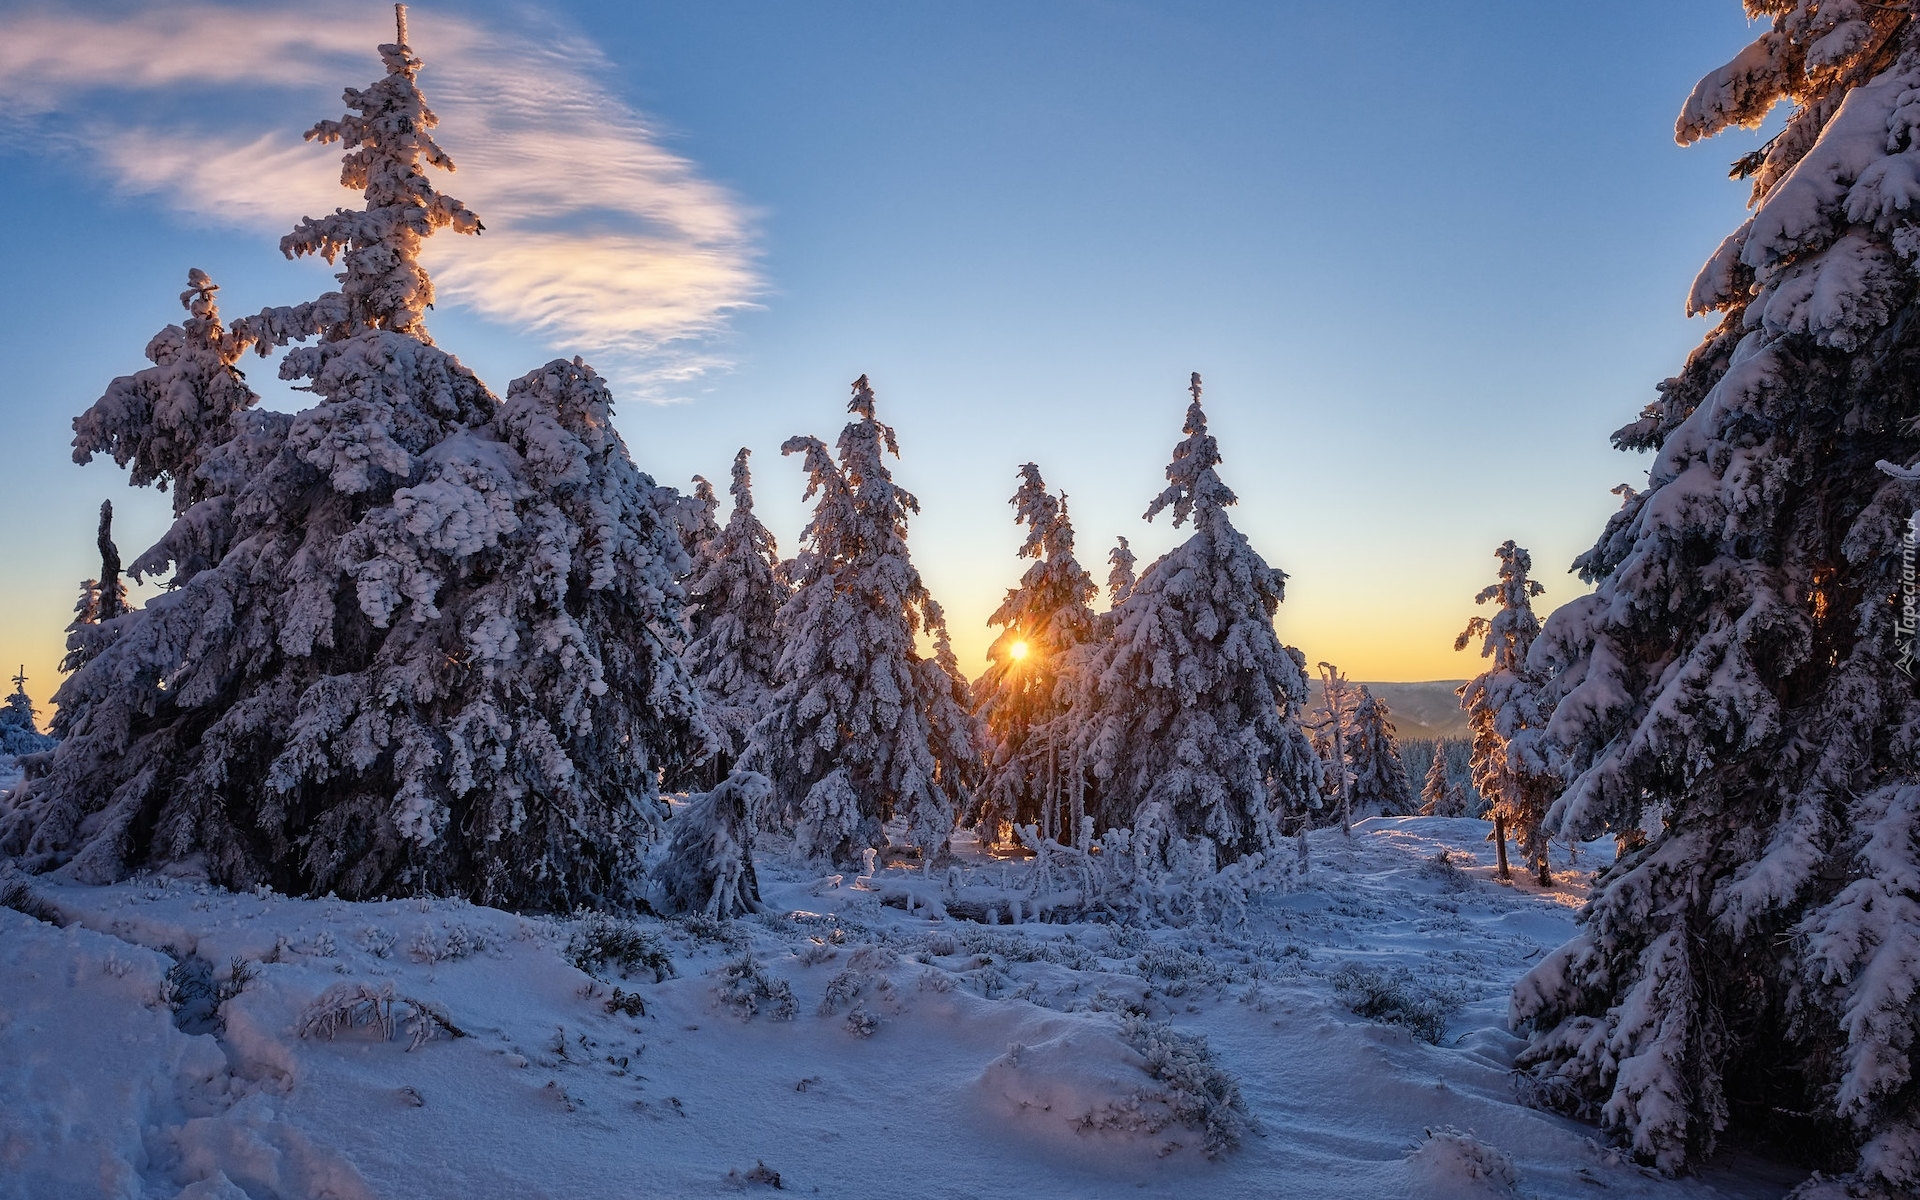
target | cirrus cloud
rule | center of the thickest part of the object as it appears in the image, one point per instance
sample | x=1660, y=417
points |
x=599, y=239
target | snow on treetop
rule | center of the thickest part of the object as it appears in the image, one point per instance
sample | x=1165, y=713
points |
x=388, y=139
x=1192, y=482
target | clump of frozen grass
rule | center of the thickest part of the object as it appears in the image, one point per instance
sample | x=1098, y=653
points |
x=16, y=895
x=1175, y=971
x=350, y=1005
x=376, y=941
x=861, y=1023
x=841, y=990
x=1392, y=997
x=815, y=951
x=744, y=987
x=1447, y=1154
x=703, y=928
x=1199, y=1092
x=600, y=940
x=1446, y=869
x=450, y=944
x=759, y=1173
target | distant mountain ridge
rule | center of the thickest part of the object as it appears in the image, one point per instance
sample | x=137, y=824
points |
x=1417, y=710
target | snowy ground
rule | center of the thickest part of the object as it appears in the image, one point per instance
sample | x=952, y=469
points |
x=916, y=1057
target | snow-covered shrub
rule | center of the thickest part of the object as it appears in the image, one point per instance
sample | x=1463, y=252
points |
x=1395, y=997
x=1201, y=1093
x=377, y=941
x=349, y=1005
x=1448, y=1157
x=448, y=944
x=631, y=1004
x=744, y=987
x=718, y=930
x=1145, y=875
x=861, y=1022
x=600, y=940
x=1175, y=971
x=1444, y=868
x=816, y=951
x=708, y=868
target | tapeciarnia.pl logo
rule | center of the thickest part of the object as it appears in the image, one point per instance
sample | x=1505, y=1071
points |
x=1909, y=596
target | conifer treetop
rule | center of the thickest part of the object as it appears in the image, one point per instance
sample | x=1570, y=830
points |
x=160, y=422
x=388, y=142
x=1192, y=483
x=1510, y=632
x=1120, y=576
x=740, y=488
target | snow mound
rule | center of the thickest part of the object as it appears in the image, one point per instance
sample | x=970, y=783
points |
x=1086, y=1093
x=1448, y=1162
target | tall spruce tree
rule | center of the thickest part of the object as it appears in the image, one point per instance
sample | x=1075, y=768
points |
x=734, y=593
x=1507, y=713
x=863, y=728
x=1735, y=684
x=1379, y=778
x=1189, y=714
x=1021, y=699
x=417, y=638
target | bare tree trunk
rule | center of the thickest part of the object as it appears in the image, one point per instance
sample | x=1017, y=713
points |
x=1082, y=829
x=1336, y=689
x=109, y=566
x=1500, y=842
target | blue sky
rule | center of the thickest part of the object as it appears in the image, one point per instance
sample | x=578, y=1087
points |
x=1425, y=256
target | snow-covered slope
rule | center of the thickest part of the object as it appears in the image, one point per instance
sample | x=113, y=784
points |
x=849, y=1046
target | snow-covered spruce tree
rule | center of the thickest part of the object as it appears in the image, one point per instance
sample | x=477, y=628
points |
x=734, y=593
x=429, y=647
x=1507, y=713
x=1440, y=796
x=1735, y=680
x=693, y=514
x=1021, y=699
x=863, y=729
x=1189, y=715
x=19, y=722
x=1379, y=778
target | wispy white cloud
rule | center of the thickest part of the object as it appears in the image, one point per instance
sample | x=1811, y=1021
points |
x=599, y=239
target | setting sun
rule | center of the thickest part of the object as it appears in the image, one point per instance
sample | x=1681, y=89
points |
x=1017, y=651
